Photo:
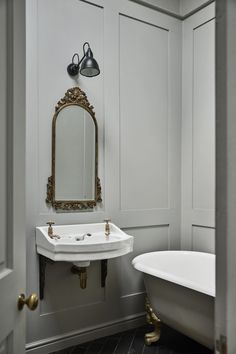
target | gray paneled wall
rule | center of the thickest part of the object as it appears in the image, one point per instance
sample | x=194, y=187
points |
x=138, y=109
x=198, y=131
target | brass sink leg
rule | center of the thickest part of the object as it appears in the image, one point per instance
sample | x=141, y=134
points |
x=82, y=273
x=152, y=318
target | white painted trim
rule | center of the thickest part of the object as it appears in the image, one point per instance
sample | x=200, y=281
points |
x=225, y=311
x=180, y=15
x=73, y=338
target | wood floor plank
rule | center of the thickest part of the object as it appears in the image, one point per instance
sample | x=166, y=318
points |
x=138, y=343
x=124, y=343
x=96, y=346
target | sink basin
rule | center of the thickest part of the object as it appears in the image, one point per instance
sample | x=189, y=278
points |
x=83, y=243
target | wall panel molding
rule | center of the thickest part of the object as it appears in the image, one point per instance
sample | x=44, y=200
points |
x=198, y=131
x=144, y=136
x=181, y=9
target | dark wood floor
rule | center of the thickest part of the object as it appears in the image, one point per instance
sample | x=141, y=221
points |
x=132, y=342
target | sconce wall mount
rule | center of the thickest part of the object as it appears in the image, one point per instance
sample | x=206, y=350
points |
x=87, y=66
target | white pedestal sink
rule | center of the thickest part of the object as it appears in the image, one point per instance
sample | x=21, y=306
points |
x=83, y=243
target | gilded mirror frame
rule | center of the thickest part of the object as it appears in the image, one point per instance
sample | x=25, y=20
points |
x=73, y=97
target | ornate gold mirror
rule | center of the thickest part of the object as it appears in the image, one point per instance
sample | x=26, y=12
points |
x=74, y=183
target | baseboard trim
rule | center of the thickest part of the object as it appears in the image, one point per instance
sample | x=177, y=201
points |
x=70, y=339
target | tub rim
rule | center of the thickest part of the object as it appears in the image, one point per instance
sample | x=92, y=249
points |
x=170, y=277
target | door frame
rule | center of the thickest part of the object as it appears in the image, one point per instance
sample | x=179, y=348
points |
x=13, y=274
x=225, y=308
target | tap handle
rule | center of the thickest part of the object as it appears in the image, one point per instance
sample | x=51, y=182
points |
x=50, y=223
x=107, y=221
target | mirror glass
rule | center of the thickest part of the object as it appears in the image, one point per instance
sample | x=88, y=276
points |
x=75, y=154
x=74, y=183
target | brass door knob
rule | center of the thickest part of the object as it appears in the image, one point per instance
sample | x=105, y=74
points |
x=31, y=302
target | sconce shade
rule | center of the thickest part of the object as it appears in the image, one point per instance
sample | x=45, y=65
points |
x=89, y=66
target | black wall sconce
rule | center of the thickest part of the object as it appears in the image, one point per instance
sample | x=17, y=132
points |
x=89, y=67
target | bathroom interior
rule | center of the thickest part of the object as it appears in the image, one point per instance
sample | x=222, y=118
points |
x=151, y=105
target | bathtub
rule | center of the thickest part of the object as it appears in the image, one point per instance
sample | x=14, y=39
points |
x=180, y=286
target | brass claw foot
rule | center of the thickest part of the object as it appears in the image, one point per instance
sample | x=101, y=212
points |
x=152, y=318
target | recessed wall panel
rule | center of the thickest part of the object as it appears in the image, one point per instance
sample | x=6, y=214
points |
x=143, y=115
x=62, y=288
x=198, y=128
x=203, y=239
x=156, y=239
x=204, y=116
x=58, y=40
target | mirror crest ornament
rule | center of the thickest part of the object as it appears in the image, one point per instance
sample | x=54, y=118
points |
x=74, y=99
